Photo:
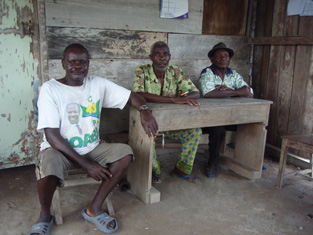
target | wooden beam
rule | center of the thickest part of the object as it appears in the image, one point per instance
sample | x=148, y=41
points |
x=43, y=44
x=281, y=40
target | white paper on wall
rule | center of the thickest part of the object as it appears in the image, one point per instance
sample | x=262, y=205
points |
x=300, y=7
x=174, y=9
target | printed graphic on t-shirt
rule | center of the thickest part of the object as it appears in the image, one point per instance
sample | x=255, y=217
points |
x=78, y=142
x=73, y=115
x=92, y=110
x=86, y=121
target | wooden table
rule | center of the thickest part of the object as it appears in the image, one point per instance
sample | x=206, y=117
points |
x=251, y=115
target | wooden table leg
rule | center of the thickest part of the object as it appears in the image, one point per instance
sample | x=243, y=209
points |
x=139, y=172
x=249, y=150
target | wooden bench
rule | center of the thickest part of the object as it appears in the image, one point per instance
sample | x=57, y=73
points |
x=78, y=177
x=300, y=142
x=73, y=178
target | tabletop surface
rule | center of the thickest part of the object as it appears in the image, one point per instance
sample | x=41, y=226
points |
x=210, y=102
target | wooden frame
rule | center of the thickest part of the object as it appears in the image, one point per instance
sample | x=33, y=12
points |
x=300, y=142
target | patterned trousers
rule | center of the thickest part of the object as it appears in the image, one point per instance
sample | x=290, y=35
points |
x=190, y=140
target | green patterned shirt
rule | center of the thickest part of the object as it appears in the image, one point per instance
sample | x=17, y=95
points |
x=174, y=81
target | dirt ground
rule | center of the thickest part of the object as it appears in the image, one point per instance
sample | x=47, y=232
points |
x=228, y=204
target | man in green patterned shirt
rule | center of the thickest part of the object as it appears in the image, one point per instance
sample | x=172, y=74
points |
x=219, y=81
x=164, y=83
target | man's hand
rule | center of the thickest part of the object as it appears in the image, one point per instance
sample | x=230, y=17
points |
x=149, y=123
x=93, y=169
x=96, y=171
x=222, y=91
x=185, y=100
x=222, y=87
x=244, y=92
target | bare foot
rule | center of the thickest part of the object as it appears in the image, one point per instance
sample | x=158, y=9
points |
x=110, y=226
x=179, y=174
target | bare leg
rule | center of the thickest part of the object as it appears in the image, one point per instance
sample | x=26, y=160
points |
x=117, y=169
x=46, y=187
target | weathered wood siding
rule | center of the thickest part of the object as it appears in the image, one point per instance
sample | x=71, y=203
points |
x=195, y=48
x=119, y=71
x=119, y=67
x=142, y=15
x=283, y=72
x=119, y=34
x=103, y=43
x=224, y=17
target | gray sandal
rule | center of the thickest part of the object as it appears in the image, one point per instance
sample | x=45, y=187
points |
x=101, y=221
x=42, y=227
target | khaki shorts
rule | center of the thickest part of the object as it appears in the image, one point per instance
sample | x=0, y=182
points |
x=53, y=162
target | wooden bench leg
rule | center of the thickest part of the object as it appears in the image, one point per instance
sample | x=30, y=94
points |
x=282, y=163
x=57, y=208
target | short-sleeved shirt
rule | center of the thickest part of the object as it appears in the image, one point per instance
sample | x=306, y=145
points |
x=209, y=79
x=76, y=110
x=175, y=82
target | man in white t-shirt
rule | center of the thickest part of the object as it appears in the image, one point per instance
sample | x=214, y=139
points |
x=69, y=112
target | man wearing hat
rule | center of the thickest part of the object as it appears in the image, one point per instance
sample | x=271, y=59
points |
x=219, y=81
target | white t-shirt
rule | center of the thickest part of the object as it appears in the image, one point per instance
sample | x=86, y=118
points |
x=76, y=110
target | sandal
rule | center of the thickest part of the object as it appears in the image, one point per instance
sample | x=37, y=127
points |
x=186, y=177
x=211, y=171
x=42, y=227
x=156, y=178
x=101, y=221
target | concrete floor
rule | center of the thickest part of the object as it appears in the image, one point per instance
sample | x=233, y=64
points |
x=228, y=204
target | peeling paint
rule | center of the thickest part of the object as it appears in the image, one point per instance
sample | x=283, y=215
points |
x=19, y=140
x=14, y=158
x=13, y=14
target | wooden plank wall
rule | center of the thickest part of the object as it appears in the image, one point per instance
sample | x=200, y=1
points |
x=142, y=15
x=282, y=69
x=218, y=12
x=118, y=35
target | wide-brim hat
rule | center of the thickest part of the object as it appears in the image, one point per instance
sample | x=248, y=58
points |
x=220, y=46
